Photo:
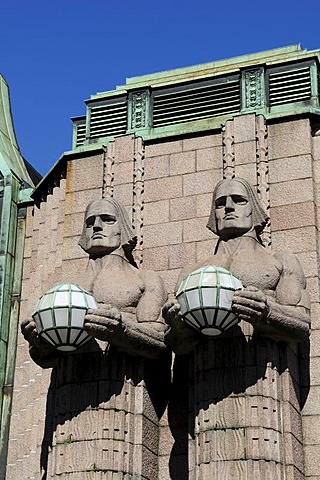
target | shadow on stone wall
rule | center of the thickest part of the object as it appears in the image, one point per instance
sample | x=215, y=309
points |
x=91, y=380
x=208, y=382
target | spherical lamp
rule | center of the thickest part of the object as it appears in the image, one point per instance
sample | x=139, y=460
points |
x=205, y=297
x=59, y=316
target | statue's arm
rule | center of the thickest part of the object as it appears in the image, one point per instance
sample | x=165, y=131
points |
x=180, y=338
x=289, y=312
x=284, y=317
x=141, y=333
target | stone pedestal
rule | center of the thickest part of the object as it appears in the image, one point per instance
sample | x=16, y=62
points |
x=244, y=417
x=101, y=417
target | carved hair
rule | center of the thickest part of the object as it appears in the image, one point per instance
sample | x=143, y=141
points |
x=259, y=216
x=127, y=237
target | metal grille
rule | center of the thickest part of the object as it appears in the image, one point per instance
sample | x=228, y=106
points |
x=81, y=134
x=108, y=119
x=289, y=86
x=195, y=102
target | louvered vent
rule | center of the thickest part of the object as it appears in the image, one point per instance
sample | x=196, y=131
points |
x=196, y=102
x=108, y=119
x=289, y=86
x=81, y=134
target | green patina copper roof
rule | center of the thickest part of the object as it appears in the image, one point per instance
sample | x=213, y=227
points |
x=10, y=156
x=275, y=83
x=275, y=56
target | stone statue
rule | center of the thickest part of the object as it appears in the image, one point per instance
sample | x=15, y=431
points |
x=130, y=350
x=130, y=300
x=248, y=371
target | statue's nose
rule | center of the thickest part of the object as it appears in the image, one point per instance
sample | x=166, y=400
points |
x=229, y=204
x=97, y=224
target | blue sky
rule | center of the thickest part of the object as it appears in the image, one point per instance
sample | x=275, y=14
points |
x=55, y=54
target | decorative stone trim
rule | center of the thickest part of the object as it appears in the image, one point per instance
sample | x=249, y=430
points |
x=263, y=172
x=138, y=197
x=228, y=150
x=108, y=171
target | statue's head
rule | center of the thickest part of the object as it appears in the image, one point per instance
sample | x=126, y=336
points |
x=236, y=209
x=107, y=229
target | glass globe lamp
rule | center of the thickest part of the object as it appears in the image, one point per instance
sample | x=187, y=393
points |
x=59, y=316
x=205, y=297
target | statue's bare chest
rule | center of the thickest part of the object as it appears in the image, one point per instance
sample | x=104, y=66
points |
x=119, y=288
x=252, y=267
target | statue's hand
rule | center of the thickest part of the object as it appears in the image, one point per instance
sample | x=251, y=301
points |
x=104, y=322
x=250, y=304
x=180, y=337
x=29, y=331
x=171, y=312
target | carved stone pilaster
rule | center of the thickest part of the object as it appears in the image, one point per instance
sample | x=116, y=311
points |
x=228, y=150
x=263, y=172
x=253, y=89
x=138, y=191
x=138, y=108
x=108, y=172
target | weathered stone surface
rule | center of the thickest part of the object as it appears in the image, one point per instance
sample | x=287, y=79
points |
x=292, y=216
x=291, y=140
x=314, y=350
x=77, y=201
x=170, y=278
x=244, y=128
x=156, y=167
x=295, y=191
x=195, y=230
x=124, y=149
x=312, y=406
x=205, y=141
x=205, y=249
x=208, y=158
x=199, y=182
x=298, y=128
x=123, y=172
x=247, y=171
x=182, y=254
x=181, y=163
x=124, y=193
x=162, y=188
x=293, y=168
x=313, y=288
x=163, y=148
x=316, y=147
x=203, y=204
x=156, y=258
x=245, y=152
x=299, y=240
x=311, y=425
x=83, y=174
x=183, y=208
x=312, y=456
x=162, y=234
x=156, y=212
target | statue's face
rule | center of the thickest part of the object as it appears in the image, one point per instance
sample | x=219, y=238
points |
x=233, y=209
x=103, y=231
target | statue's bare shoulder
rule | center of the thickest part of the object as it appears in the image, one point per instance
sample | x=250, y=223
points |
x=291, y=289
